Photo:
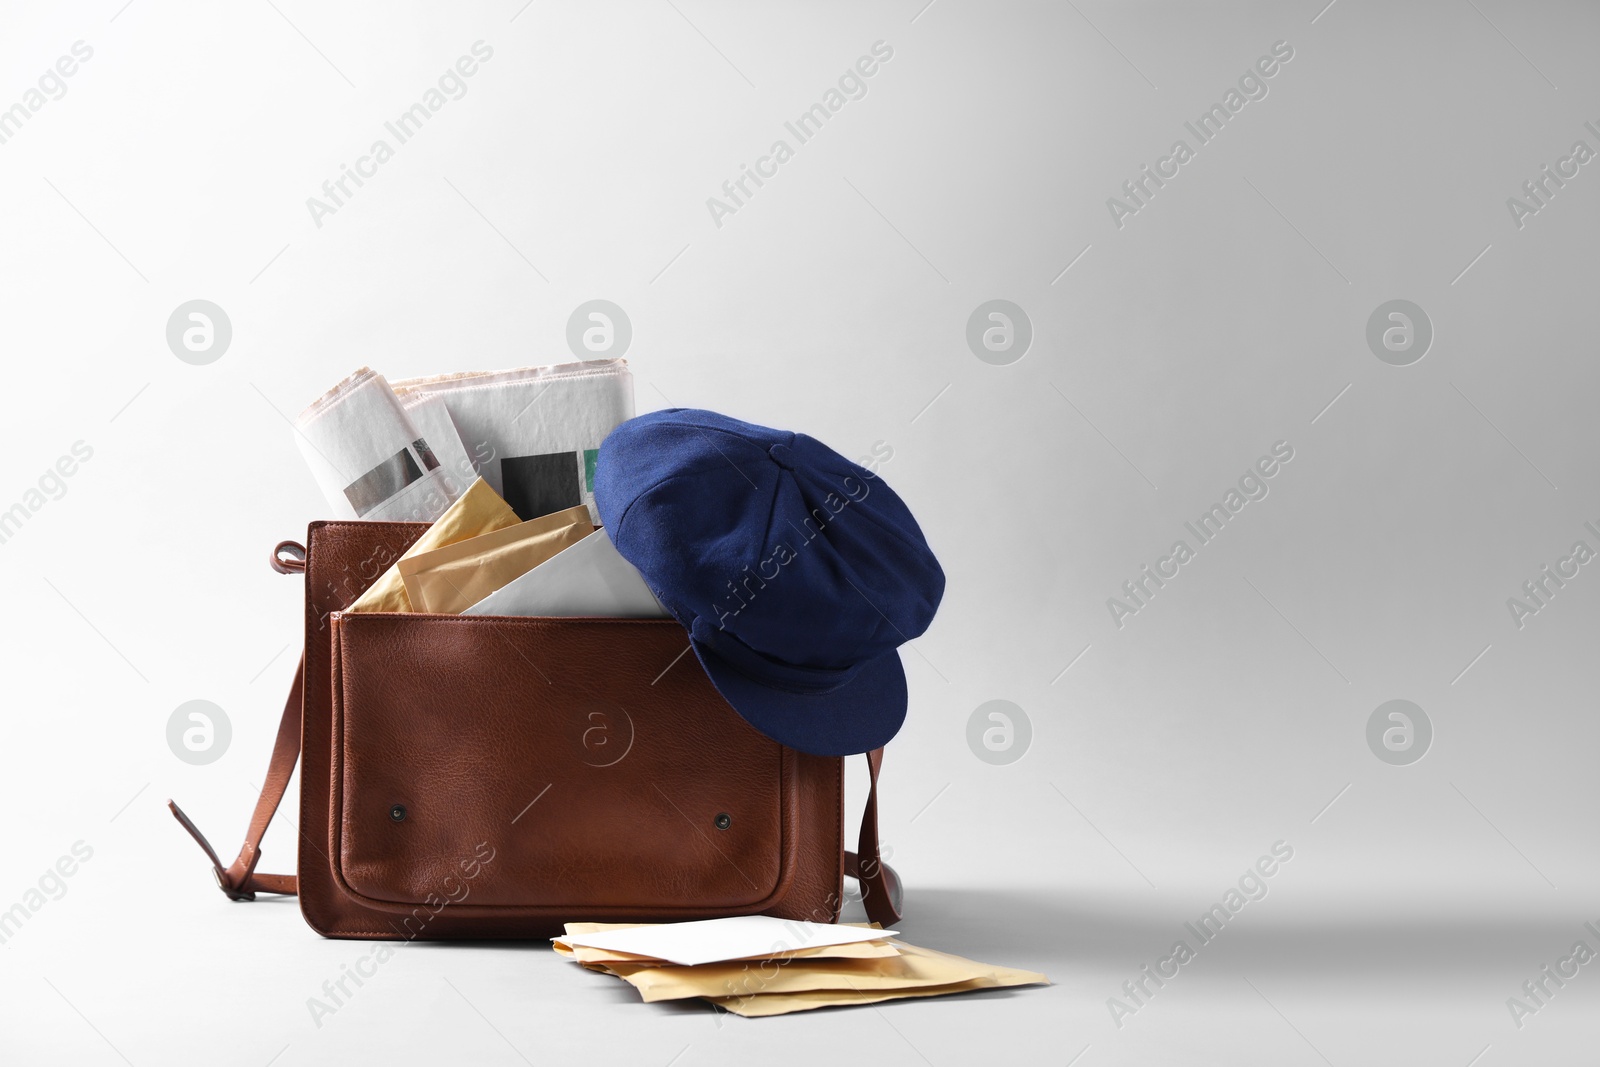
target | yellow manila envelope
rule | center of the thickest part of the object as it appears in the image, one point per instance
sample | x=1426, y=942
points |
x=609, y=959
x=479, y=510
x=747, y=978
x=448, y=580
x=758, y=1007
x=801, y=981
x=921, y=972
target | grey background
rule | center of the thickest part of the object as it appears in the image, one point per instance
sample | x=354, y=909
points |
x=1168, y=355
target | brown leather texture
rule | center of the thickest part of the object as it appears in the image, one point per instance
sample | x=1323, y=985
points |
x=491, y=777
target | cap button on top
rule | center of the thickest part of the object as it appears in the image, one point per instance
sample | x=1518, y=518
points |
x=781, y=456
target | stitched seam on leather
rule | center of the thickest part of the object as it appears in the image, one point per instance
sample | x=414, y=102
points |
x=782, y=884
x=789, y=845
x=513, y=920
x=311, y=901
x=342, y=924
x=838, y=821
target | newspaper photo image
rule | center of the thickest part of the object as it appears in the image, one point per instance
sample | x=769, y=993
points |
x=533, y=433
x=370, y=459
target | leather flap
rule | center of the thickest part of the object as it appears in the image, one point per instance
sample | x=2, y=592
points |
x=506, y=764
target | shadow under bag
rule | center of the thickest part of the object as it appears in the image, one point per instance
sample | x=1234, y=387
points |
x=496, y=777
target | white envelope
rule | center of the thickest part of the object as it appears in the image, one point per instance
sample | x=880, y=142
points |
x=739, y=937
x=590, y=578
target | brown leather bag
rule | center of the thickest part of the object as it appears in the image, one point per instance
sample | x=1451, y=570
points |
x=489, y=777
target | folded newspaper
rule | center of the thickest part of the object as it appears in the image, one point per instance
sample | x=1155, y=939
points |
x=369, y=457
x=533, y=433
x=407, y=451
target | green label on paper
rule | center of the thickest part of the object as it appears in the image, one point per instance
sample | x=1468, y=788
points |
x=590, y=457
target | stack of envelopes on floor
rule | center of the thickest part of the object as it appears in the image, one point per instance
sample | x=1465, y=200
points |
x=756, y=965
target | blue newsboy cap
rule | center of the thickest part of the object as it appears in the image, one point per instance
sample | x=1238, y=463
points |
x=797, y=573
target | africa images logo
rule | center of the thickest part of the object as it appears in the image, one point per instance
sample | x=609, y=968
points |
x=1252, y=486
x=852, y=85
x=1252, y=85
x=451, y=85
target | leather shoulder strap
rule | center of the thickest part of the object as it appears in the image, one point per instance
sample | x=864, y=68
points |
x=881, y=891
x=239, y=880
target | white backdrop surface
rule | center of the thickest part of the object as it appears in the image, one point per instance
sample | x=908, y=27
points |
x=1175, y=334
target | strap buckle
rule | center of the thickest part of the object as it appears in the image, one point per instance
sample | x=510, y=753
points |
x=223, y=880
x=231, y=893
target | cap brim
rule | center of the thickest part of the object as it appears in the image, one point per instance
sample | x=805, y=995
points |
x=859, y=716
